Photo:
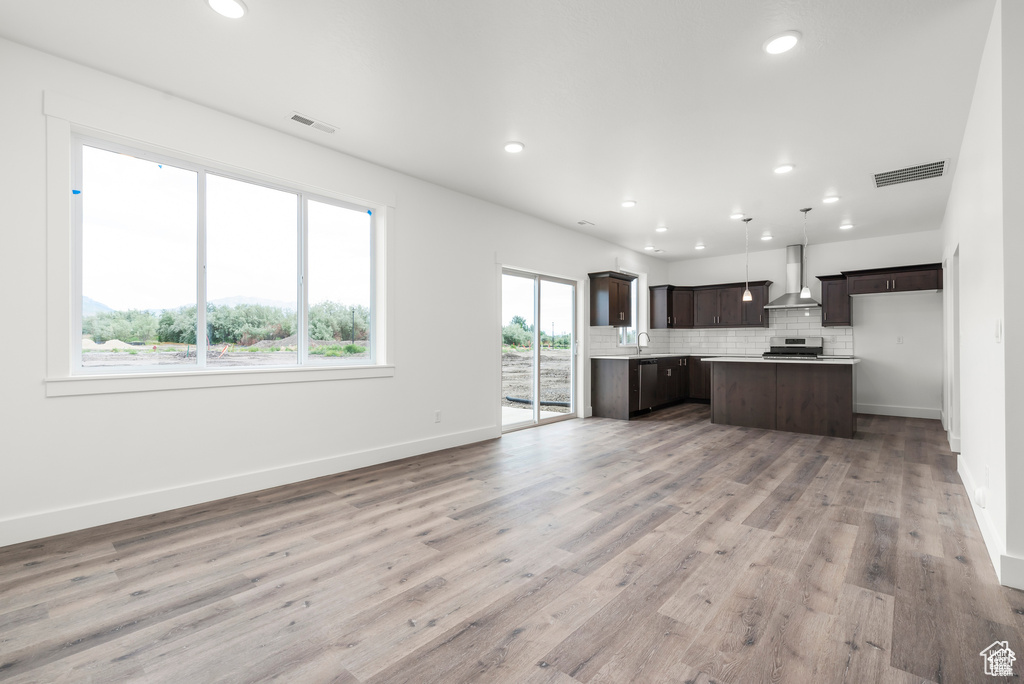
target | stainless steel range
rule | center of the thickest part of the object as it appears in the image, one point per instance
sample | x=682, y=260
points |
x=800, y=348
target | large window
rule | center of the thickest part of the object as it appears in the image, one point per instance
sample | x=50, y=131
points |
x=182, y=266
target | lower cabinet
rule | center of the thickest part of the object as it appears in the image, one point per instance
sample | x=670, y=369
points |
x=622, y=388
x=699, y=379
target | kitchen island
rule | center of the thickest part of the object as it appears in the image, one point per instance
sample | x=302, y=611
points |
x=812, y=396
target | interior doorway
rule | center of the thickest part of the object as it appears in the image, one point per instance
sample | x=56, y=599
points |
x=954, y=389
x=538, y=349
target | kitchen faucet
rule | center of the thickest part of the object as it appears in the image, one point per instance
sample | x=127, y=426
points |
x=638, y=352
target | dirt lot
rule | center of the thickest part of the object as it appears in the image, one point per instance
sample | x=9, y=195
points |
x=96, y=356
x=555, y=377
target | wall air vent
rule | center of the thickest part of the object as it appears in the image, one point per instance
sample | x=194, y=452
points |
x=312, y=123
x=911, y=173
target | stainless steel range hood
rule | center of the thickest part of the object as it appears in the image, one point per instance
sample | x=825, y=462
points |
x=794, y=283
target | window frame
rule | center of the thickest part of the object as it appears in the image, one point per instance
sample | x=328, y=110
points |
x=68, y=119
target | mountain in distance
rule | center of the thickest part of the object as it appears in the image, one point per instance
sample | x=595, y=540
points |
x=90, y=307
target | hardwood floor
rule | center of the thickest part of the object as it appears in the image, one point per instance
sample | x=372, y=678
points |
x=665, y=549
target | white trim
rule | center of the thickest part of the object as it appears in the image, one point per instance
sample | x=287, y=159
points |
x=77, y=385
x=954, y=443
x=47, y=523
x=993, y=544
x=903, y=411
x=1011, y=572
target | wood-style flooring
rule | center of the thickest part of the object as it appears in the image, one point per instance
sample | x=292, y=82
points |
x=665, y=549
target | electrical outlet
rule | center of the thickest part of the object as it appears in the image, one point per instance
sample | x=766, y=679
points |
x=899, y=339
x=437, y=416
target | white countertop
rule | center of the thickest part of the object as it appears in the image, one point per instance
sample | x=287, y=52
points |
x=758, y=359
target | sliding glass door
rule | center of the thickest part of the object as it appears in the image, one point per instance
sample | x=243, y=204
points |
x=538, y=349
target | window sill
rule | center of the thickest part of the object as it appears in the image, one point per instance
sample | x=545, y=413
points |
x=154, y=382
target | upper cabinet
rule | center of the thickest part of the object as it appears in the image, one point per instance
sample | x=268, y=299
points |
x=610, y=301
x=897, y=279
x=835, y=301
x=671, y=307
x=722, y=306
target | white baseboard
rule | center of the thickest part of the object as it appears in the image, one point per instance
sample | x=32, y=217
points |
x=48, y=523
x=903, y=411
x=954, y=443
x=1012, y=571
x=993, y=544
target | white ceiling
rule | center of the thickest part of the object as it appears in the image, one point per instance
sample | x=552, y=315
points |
x=672, y=103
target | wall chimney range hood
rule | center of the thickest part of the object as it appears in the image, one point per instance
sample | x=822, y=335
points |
x=794, y=283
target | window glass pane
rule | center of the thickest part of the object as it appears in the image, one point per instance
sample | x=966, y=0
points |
x=251, y=274
x=138, y=261
x=339, y=284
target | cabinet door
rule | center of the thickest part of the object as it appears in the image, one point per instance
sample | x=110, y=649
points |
x=661, y=307
x=868, y=284
x=699, y=379
x=682, y=308
x=682, y=371
x=835, y=302
x=667, y=378
x=705, y=308
x=753, y=311
x=908, y=281
x=625, y=303
x=730, y=306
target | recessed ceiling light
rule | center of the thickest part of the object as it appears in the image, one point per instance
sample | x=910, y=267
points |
x=514, y=147
x=830, y=200
x=660, y=229
x=699, y=245
x=785, y=168
x=784, y=42
x=736, y=216
x=766, y=236
x=629, y=204
x=232, y=9
x=846, y=226
x=649, y=248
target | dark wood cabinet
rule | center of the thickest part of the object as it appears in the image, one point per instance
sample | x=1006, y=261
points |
x=835, y=301
x=705, y=308
x=671, y=307
x=722, y=306
x=754, y=313
x=610, y=300
x=699, y=379
x=896, y=279
x=622, y=388
x=672, y=379
x=614, y=387
x=682, y=308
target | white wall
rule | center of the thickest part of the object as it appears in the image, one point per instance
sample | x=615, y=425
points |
x=904, y=380
x=73, y=462
x=894, y=378
x=1013, y=257
x=978, y=220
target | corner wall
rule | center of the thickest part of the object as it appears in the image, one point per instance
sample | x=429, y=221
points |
x=975, y=224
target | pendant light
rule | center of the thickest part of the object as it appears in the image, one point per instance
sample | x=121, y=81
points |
x=747, y=297
x=805, y=292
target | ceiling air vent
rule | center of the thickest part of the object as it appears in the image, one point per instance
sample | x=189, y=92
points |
x=584, y=222
x=312, y=123
x=911, y=173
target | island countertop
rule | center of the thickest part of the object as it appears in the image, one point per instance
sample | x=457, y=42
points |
x=819, y=361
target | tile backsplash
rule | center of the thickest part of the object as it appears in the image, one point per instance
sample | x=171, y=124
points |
x=731, y=341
